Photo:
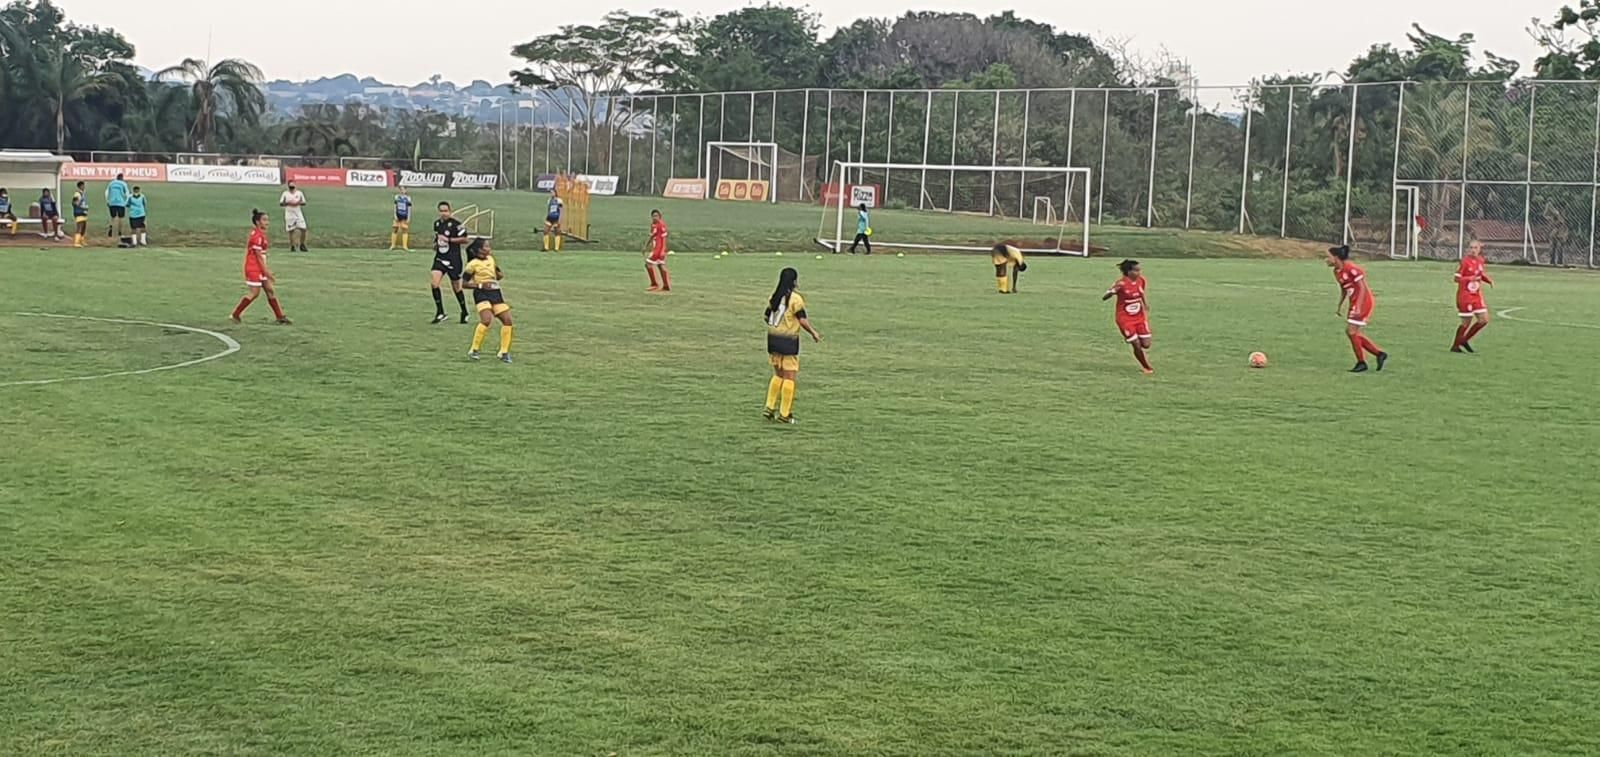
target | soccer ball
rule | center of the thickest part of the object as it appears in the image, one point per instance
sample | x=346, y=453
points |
x=869, y=231
x=1258, y=360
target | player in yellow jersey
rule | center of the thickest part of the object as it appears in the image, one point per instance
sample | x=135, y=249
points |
x=786, y=318
x=1007, y=256
x=483, y=277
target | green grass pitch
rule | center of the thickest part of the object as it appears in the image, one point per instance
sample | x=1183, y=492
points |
x=989, y=535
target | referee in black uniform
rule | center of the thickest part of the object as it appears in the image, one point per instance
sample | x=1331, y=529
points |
x=448, y=236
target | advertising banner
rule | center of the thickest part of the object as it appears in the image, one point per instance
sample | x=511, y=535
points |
x=745, y=190
x=464, y=180
x=545, y=183
x=193, y=174
x=859, y=194
x=131, y=172
x=685, y=189
x=422, y=179
x=356, y=177
x=599, y=185
x=314, y=177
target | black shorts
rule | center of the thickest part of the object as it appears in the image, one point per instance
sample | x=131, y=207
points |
x=779, y=344
x=118, y=211
x=491, y=296
x=448, y=264
x=136, y=223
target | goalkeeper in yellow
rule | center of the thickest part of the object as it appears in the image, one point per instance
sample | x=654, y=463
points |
x=552, y=224
x=483, y=277
x=1008, y=265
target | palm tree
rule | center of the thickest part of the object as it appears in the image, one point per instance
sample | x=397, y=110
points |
x=15, y=60
x=64, y=82
x=318, y=132
x=231, y=86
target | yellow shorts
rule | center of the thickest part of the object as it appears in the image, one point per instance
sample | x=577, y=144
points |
x=494, y=307
x=402, y=223
x=784, y=362
x=80, y=219
x=552, y=226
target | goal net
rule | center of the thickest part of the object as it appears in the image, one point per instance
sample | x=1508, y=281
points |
x=966, y=208
x=742, y=171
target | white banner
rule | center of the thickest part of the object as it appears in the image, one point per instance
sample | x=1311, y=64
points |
x=358, y=178
x=195, y=174
x=463, y=180
x=599, y=185
x=863, y=194
x=421, y=179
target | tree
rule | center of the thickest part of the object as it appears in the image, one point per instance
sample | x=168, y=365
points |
x=64, y=83
x=1571, y=43
x=231, y=87
x=589, y=65
x=759, y=47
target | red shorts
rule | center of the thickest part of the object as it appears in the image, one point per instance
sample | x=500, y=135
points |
x=254, y=277
x=1470, y=303
x=1134, y=328
x=1360, y=313
x=658, y=256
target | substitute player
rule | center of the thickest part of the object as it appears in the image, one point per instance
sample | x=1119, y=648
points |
x=1133, y=312
x=80, y=216
x=258, y=277
x=1353, y=287
x=786, y=318
x=6, y=214
x=448, y=236
x=552, y=224
x=484, y=277
x=400, y=231
x=1006, y=257
x=1470, y=278
x=138, y=219
x=50, y=216
x=656, y=258
x=117, y=209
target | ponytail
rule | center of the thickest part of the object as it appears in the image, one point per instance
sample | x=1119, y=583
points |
x=786, y=282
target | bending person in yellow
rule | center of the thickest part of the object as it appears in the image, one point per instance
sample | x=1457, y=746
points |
x=1007, y=256
x=786, y=318
x=483, y=277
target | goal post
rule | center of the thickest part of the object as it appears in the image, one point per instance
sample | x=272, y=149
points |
x=998, y=198
x=742, y=161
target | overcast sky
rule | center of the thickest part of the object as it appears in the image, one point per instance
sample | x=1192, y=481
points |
x=406, y=41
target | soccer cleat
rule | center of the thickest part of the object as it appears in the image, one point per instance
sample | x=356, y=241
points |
x=1468, y=347
x=1457, y=350
x=1361, y=367
x=787, y=420
x=1148, y=371
x=464, y=318
x=769, y=414
x=654, y=288
x=438, y=319
x=1383, y=357
x=284, y=321
x=505, y=357
x=473, y=355
x=303, y=248
x=234, y=318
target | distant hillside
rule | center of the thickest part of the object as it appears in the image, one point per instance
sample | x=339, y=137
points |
x=480, y=99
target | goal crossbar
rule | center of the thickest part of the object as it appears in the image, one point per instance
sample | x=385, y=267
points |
x=1076, y=179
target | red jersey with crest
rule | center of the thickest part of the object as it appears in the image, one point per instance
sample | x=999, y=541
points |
x=254, y=271
x=1470, y=278
x=1131, y=316
x=658, y=240
x=1353, y=280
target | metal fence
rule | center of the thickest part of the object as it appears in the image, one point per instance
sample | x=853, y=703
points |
x=1401, y=167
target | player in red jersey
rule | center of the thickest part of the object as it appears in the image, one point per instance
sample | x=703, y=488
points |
x=1354, y=288
x=656, y=258
x=1470, y=278
x=257, y=276
x=1133, y=313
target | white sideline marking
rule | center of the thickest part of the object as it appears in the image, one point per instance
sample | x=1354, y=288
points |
x=229, y=347
x=1507, y=314
x=1257, y=286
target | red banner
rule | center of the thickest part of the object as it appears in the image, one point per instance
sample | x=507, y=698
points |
x=860, y=194
x=747, y=190
x=131, y=172
x=315, y=177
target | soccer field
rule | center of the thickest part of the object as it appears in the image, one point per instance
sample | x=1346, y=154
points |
x=988, y=535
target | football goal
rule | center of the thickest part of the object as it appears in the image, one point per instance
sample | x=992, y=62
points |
x=742, y=171
x=1040, y=209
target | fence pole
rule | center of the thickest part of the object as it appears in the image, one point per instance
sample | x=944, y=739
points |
x=1072, y=118
x=569, y=139
x=1594, y=176
x=1527, y=189
x=827, y=143
x=1022, y=180
x=611, y=134
x=533, y=131
x=777, y=155
x=1350, y=158
x=861, y=173
x=548, y=138
x=750, y=136
x=655, y=131
x=502, y=168
x=927, y=129
x=1150, y=193
x=1394, y=179
x=805, y=137
x=1244, y=173
x=700, y=138
x=672, y=141
x=633, y=104
x=516, y=144
x=955, y=123
x=1466, y=136
x=1288, y=149
x=1105, y=136
x=1188, y=193
x=888, y=152
x=994, y=150
x=722, y=119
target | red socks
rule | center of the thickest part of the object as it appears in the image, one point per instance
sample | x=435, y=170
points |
x=1461, y=335
x=1368, y=345
x=1144, y=362
x=666, y=283
x=1476, y=327
x=1355, y=344
x=277, y=309
x=244, y=302
x=650, y=269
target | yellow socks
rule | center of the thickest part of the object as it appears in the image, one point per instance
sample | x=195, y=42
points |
x=478, y=335
x=558, y=242
x=405, y=241
x=13, y=228
x=393, y=239
x=505, y=339
x=1001, y=284
x=773, y=387
x=787, y=390
x=77, y=240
